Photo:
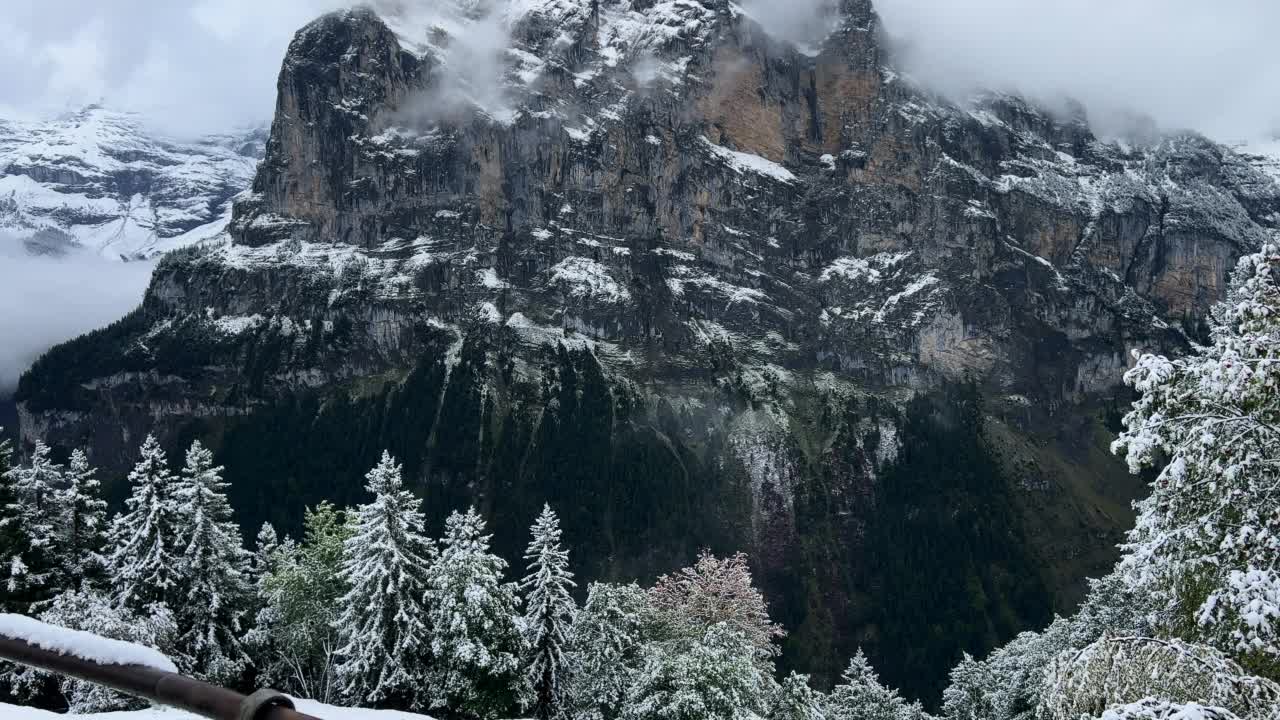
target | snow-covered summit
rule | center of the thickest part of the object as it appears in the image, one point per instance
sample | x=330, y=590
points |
x=99, y=180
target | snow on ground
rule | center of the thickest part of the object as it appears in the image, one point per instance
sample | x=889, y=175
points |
x=81, y=644
x=310, y=707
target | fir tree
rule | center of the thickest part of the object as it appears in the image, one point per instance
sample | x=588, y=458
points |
x=84, y=523
x=477, y=641
x=604, y=649
x=143, y=541
x=549, y=613
x=1206, y=546
x=14, y=544
x=213, y=573
x=384, y=641
x=863, y=697
x=35, y=486
x=794, y=699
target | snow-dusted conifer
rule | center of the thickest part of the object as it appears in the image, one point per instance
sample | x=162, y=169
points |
x=604, y=649
x=213, y=573
x=476, y=640
x=795, y=699
x=383, y=624
x=143, y=541
x=35, y=485
x=82, y=534
x=863, y=697
x=1207, y=541
x=549, y=610
x=715, y=676
x=14, y=545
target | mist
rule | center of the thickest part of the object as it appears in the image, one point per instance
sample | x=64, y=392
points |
x=1188, y=64
x=47, y=301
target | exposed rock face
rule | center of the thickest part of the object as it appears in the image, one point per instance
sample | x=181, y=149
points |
x=98, y=180
x=683, y=279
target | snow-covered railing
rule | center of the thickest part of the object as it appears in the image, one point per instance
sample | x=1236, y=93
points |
x=132, y=669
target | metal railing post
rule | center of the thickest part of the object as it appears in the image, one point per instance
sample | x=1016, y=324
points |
x=158, y=686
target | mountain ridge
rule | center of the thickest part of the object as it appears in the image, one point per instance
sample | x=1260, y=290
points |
x=697, y=287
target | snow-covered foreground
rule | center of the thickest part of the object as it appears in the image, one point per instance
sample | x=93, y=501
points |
x=310, y=707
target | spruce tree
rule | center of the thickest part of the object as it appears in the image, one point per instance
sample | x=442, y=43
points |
x=476, y=642
x=213, y=572
x=548, y=615
x=384, y=633
x=13, y=541
x=863, y=697
x=35, y=486
x=143, y=541
x=83, y=523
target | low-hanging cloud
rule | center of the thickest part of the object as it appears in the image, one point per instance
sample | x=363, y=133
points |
x=1188, y=64
x=190, y=66
x=47, y=301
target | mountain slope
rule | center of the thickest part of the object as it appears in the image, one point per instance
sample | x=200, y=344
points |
x=696, y=286
x=97, y=179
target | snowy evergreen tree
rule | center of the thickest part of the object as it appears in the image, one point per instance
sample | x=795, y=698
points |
x=35, y=486
x=713, y=677
x=863, y=697
x=82, y=534
x=143, y=541
x=213, y=572
x=795, y=699
x=718, y=591
x=549, y=610
x=1207, y=541
x=14, y=545
x=1115, y=671
x=604, y=649
x=302, y=590
x=384, y=635
x=93, y=612
x=476, y=641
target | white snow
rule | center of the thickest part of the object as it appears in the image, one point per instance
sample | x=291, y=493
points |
x=584, y=277
x=310, y=707
x=742, y=162
x=81, y=644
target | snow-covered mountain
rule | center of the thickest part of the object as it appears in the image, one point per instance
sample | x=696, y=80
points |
x=98, y=179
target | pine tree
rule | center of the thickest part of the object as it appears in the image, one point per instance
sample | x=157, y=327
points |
x=604, y=649
x=863, y=697
x=35, y=486
x=794, y=699
x=14, y=544
x=213, y=573
x=477, y=641
x=84, y=523
x=1206, y=546
x=384, y=635
x=548, y=615
x=143, y=541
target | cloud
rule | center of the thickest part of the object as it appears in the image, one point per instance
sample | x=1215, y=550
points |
x=1210, y=67
x=50, y=300
x=191, y=66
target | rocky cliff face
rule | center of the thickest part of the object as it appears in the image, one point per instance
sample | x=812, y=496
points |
x=97, y=179
x=698, y=286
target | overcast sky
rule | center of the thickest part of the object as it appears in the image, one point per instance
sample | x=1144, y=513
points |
x=199, y=65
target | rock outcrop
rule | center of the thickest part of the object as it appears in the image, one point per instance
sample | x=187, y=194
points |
x=695, y=285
